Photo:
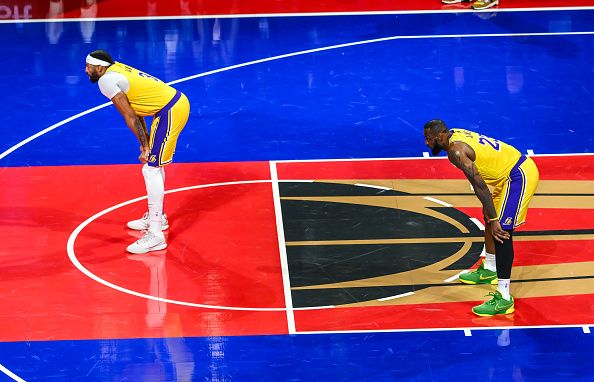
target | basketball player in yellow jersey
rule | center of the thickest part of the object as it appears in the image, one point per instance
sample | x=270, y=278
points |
x=487, y=161
x=136, y=94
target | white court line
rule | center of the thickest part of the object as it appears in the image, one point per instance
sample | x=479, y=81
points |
x=467, y=333
x=437, y=201
x=395, y=297
x=372, y=186
x=425, y=154
x=455, y=277
x=52, y=127
x=530, y=152
x=586, y=329
x=301, y=14
x=282, y=248
x=316, y=307
x=331, y=47
x=439, y=329
x=478, y=223
x=11, y=374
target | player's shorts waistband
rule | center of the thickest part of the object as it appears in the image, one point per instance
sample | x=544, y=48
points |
x=518, y=164
x=170, y=104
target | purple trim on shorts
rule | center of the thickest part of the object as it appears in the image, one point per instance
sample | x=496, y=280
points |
x=515, y=193
x=162, y=129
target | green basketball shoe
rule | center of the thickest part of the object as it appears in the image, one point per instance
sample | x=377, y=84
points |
x=480, y=276
x=496, y=305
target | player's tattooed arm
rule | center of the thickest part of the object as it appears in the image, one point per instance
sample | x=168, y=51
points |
x=132, y=120
x=143, y=123
x=459, y=154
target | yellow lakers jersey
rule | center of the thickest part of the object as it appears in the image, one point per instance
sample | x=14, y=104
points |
x=494, y=159
x=147, y=94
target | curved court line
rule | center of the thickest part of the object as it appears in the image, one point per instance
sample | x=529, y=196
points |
x=52, y=127
x=11, y=374
x=287, y=55
x=91, y=275
x=77, y=264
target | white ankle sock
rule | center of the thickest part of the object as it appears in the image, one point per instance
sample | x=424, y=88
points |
x=155, y=190
x=503, y=288
x=490, y=263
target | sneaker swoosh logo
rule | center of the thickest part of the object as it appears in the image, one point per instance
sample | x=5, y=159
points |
x=503, y=306
x=487, y=277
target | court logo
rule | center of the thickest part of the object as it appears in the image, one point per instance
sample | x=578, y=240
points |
x=352, y=245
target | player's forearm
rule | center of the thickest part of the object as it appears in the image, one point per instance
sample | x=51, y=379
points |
x=139, y=130
x=484, y=195
x=143, y=123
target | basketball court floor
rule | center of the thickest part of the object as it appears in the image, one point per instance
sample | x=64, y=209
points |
x=312, y=238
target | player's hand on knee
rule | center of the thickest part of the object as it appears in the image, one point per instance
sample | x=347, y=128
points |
x=144, y=154
x=498, y=232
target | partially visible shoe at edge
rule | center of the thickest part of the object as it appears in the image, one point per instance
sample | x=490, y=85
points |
x=484, y=4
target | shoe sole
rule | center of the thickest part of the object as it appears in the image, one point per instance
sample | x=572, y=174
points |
x=155, y=248
x=510, y=310
x=492, y=282
x=163, y=228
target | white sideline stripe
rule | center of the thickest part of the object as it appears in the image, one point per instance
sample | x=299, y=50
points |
x=437, y=201
x=372, y=186
x=282, y=248
x=425, y=154
x=530, y=152
x=455, y=277
x=301, y=14
x=395, y=297
x=586, y=329
x=478, y=223
x=11, y=374
x=467, y=333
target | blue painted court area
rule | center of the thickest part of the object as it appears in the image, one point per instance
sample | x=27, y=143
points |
x=490, y=355
x=360, y=101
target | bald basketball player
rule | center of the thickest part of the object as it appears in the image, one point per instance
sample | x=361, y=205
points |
x=136, y=95
x=487, y=161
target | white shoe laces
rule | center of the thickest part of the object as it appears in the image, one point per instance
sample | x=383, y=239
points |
x=146, y=236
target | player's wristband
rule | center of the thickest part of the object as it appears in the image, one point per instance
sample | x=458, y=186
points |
x=493, y=220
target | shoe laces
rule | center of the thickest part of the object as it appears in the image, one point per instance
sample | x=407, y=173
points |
x=495, y=297
x=146, y=236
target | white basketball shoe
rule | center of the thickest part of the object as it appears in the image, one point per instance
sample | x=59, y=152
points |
x=144, y=222
x=148, y=242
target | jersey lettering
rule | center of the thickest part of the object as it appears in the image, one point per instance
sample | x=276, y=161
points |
x=489, y=141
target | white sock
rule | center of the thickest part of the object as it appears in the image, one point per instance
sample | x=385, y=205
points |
x=490, y=263
x=162, y=169
x=155, y=190
x=503, y=288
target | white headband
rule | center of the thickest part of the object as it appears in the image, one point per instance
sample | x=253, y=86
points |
x=96, y=61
